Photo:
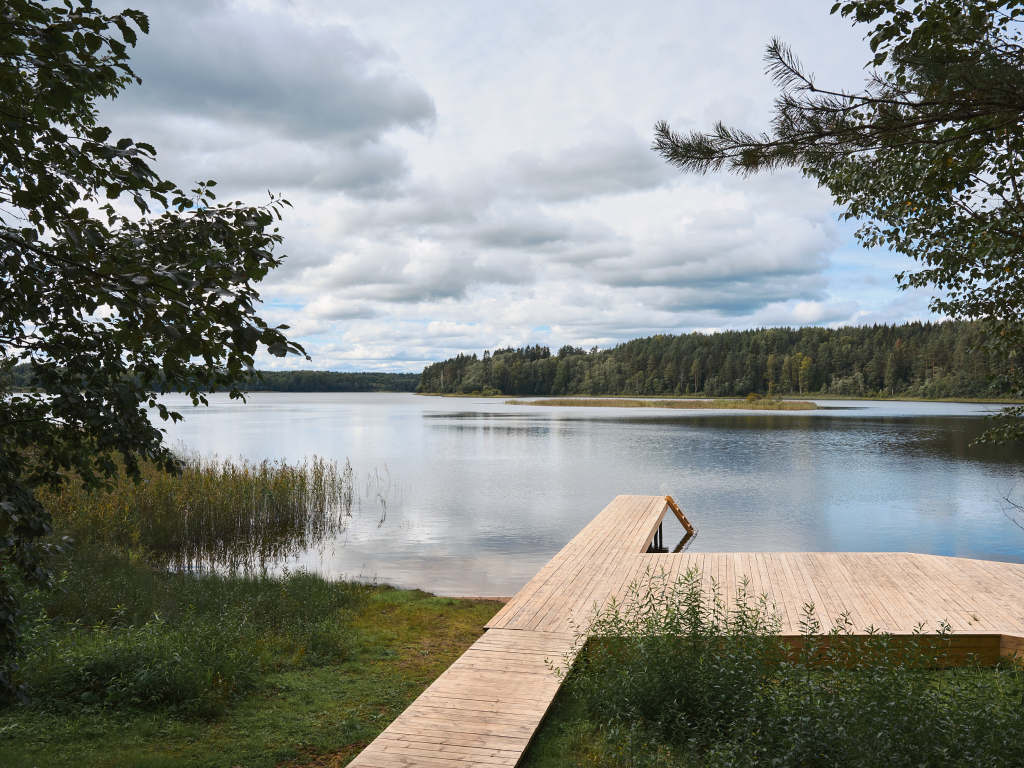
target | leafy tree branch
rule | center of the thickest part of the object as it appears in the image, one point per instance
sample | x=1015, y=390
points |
x=110, y=308
x=928, y=156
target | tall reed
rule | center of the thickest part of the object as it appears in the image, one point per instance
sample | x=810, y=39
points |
x=216, y=513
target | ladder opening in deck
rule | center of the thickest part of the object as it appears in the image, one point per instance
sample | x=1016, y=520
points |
x=657, y=545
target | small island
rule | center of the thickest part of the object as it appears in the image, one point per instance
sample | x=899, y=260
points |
x=754, y=403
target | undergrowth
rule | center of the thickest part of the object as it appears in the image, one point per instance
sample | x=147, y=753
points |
x=675, y=676
x=121, y=634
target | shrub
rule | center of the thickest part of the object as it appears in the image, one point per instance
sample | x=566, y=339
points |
x=675, y=661
x=674, y=672
x=194, y=668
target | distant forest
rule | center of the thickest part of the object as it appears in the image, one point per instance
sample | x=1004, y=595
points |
x=333, y=381
x=289, y=381
x=930, y=360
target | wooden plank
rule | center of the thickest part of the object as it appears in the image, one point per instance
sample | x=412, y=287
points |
x=808, y=587
x=782, y=593
x=842, y=600
x=553, y=596
x=877, y=612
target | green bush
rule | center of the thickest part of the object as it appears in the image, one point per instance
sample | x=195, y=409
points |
x=673, y=674
x=677, y=663
x=195, y=668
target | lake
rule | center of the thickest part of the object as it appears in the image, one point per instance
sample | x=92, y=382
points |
x=479, y=495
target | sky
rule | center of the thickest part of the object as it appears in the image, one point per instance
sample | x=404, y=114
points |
x=469, y=174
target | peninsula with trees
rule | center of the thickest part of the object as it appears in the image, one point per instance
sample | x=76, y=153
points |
x=917, y=360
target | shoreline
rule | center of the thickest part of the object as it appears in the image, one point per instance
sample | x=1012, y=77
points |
x=502, y=600
x=716, y=404
x=810, y=396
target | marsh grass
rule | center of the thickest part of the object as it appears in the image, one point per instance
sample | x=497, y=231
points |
x=764, y=404
x=674, y=676
x=166, y=641
x=235, y=515
x=164, y=601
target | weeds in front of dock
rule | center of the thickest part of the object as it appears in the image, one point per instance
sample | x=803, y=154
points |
x=749, y=404
x=675, y=676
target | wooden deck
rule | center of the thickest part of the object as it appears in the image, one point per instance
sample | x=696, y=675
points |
x=485, y=708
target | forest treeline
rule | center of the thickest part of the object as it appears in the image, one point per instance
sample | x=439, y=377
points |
x=19, y=377
x=930, y=360
x=334, y=381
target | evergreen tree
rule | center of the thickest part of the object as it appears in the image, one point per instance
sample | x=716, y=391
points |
x=928, y=156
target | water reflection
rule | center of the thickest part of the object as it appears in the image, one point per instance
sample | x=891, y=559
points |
x=490, y=492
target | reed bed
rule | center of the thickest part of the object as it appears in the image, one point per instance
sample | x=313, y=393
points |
x=229, y=514
x=764, y=404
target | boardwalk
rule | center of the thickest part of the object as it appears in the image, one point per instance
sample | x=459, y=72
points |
x=484, y=709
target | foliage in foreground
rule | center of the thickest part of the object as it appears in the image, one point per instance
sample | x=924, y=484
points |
x=673, y=676
x=115, y=282
x=117, y=634
x=141, y=618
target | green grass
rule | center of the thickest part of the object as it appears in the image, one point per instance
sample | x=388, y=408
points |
x=238, y=670
x=750, y=404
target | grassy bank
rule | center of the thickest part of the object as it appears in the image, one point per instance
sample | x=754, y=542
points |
x=129, y=666
x=750, y=404
x=168, y=643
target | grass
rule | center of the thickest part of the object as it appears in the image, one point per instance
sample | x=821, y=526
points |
x=228, y=670
x=169, y=643
x=749, y=404
x=216, y=514
x=674, y=677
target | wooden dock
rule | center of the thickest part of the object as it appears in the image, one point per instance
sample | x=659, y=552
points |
x=485, y=708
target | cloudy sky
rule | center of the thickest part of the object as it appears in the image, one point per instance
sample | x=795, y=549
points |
x=472, y=174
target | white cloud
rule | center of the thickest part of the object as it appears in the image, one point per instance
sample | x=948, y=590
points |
x=476, y=174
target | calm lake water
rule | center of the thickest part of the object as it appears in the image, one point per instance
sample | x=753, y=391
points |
x=479, y=495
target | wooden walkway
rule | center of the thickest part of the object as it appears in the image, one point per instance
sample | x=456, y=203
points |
x=485, y=708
